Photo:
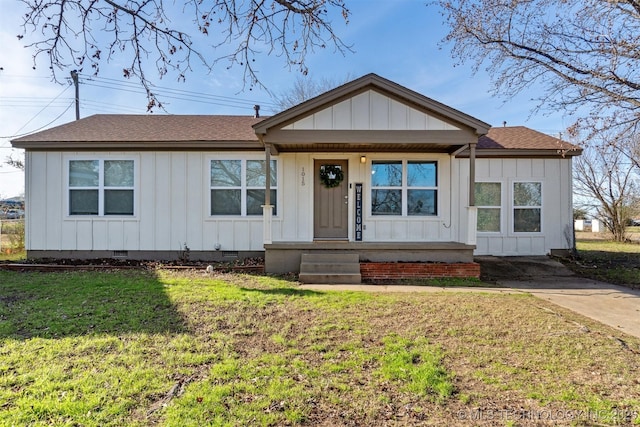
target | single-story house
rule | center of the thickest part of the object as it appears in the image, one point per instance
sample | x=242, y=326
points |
x=370, y=172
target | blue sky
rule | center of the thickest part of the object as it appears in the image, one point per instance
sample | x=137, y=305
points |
x=396, y=39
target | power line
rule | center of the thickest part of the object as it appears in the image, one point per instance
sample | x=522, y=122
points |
x=160, y=91
x=180, y=91
x=34, y=104
x=170, y=93
x=36, y=115
x=113, y=84
x=91, y=105
x=39, y=129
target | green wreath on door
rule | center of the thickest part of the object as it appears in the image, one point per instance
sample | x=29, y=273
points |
x=331, y=175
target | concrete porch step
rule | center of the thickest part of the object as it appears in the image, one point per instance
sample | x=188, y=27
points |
x=330, y=268
x=330, y=279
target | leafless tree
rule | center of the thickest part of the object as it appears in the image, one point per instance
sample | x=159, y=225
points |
x=606, y=180
x=580, y=54
x=15, y=162
x=304, y=88
x=170, y=36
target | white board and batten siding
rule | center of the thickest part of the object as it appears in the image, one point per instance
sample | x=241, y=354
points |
x=171, y=199
x=296, y=205
x=370, y=110
x=555, y=177
x=172, y=194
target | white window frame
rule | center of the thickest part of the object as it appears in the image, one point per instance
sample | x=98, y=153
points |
x=514, y=207
x=404, y=188
x=499, y=207
x=243, y=187
x=101, y=188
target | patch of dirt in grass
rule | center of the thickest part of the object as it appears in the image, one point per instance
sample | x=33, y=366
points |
x=617, y=263
x=512, y=359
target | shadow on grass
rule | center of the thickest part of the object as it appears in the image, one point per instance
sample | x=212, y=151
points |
x=286, y=292
x=56, y=305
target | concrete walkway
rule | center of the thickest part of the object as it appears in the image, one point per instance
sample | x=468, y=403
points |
x=612, y=305
x=616, y=306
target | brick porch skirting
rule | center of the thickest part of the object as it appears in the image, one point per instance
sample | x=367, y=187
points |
x=375, y=271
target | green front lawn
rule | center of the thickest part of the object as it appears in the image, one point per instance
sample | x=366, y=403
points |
x=187, y=349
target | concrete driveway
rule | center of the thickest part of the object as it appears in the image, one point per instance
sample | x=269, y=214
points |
x=616, y=306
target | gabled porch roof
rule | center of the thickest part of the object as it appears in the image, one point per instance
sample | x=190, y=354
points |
x=347, y=118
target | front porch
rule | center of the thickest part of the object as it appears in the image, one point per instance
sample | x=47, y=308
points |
x=380, y=260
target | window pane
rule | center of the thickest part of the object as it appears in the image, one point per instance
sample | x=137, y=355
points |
x=526, y=220
x=488, y=194
x=118, y=202
x=256, y=173
x=421, y=174
x=527, y=194
x=83, y=202
x=489, y=219
x=83, y=173
x=386, y=174
x=255, y=200
x=225, y=173
x=225, y=202
x=386, y=202
x=118, y=173
x=421, y=202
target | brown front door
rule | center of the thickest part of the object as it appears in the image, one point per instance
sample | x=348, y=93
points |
x=330, y=203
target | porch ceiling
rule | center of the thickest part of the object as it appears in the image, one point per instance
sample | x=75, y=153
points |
x=367, y=148
x=446, y=141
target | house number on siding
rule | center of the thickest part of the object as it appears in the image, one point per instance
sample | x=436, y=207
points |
x=302, y=174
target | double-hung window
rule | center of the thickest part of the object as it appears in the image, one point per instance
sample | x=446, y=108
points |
x=407, y=188
x=527, y=207
x=101, y=187
x=238, y=187
x=488, y=197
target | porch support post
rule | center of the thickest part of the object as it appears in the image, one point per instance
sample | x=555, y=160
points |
x=267, y=208
x=472, y=225
x=267, y=155
x=472, y=174
x=472, y=210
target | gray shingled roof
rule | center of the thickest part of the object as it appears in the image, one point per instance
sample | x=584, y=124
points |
x=175, y=131
x=520, y=138
x=149, y=128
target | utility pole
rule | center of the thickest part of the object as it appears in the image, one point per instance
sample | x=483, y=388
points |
x=74, y=77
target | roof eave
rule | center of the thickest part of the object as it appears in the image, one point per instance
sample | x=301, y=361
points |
x=521, y=153
x=137, y=145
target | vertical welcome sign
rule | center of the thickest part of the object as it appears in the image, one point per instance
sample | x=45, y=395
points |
x=358, y=205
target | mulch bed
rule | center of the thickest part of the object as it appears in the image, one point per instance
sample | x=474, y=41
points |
x=248, y=266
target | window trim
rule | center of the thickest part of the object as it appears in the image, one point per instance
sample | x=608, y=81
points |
x=101, y=188
x=244, y=187
x=514, y=207
x=404, y=189
x=500, y=207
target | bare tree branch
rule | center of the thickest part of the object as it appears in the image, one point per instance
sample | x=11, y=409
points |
x=605, y=178
x=582, y=55
x=305, y=88
x=81, y=33
x=16, y=163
